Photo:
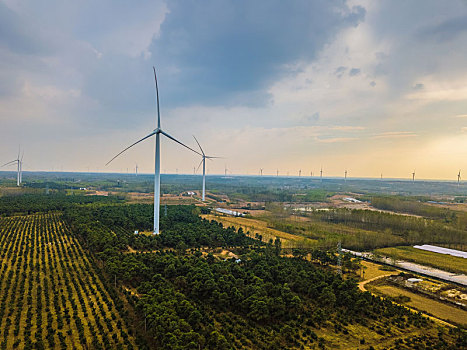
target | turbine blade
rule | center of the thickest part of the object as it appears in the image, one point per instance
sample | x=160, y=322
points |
x=13, y=161
x=198, y=145
x=174, y=139
x=144, y=138
x=210, y=157
x=199, y=165
x=157, y=97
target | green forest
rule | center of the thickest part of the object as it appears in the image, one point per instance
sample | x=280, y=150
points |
x=173, y=292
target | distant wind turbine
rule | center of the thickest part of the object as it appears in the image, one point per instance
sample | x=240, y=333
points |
x=203, y=161
x=300, y=172
x=458, y=178
x=321, y=174
x=261, y=171
x=136, y=170
x=413, y=176
x=21, y=168
x=157, y=173
x=277, y=172
x=311, y=173
x=225, y=170
x=345, y=175
x=18, y=162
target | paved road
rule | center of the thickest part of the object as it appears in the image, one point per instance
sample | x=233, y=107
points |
x=417, y=268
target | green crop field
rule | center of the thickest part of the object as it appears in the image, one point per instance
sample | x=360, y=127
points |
x=50, y=295
x=441, y=261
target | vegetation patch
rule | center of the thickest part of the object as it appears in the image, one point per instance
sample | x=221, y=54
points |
x=51, y=294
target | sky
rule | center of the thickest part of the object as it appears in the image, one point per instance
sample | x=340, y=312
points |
x=371, y=87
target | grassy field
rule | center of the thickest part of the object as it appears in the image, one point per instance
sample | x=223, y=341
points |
x=441, y=261
x=260, y=227
x=424, y=304
x=372, y=270
x=50, y=294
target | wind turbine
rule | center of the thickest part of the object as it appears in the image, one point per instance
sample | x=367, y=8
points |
x=413, y=176
x=261, y=171
x=277, y=172
x=157, y=173
x=225, y=170
x=136, y=170
x=300, y=173
x=18, y=162
x=21, y=168
x=345, y=175
x=458, y=178
x=311, y=173
x=203, y=161
x=321, y=174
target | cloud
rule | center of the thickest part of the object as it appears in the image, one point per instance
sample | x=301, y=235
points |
x=313, y=118
x=340, y=71
x=354, y=72
x=446, y=30
x=222, y=51
x=337, y=139
x=347, y=128
x=394, y=135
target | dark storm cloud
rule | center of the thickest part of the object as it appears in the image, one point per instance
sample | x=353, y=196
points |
x=223, y=51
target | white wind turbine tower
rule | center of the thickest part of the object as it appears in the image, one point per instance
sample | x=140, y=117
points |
x=413, y=176
x=18, y=162
x=136, y=170
x=261, y=171
x=345, y=175
x=458, y=178
x=157, y=173
x=225, y=170
x=203, y=161
x=300, y=173
x=321, y=174
x=21, y=168
x=277, y=172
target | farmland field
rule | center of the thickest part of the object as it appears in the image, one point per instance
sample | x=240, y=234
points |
x=424, y=304
x=441, y=261
x=50, y=294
